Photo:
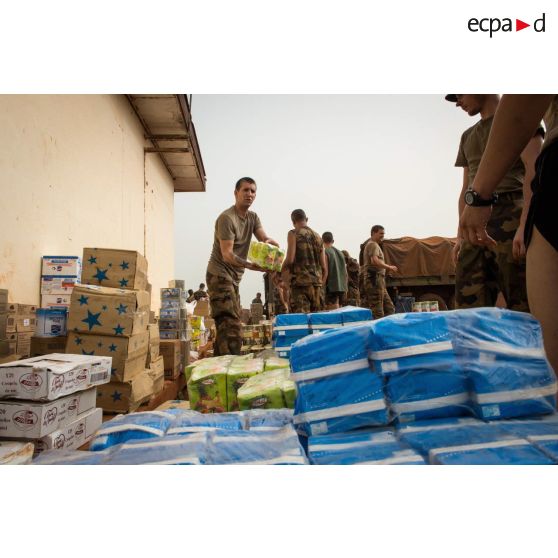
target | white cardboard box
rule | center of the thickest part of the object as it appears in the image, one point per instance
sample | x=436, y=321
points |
x=58, y=285
x=74, y=435
x=33, y=419
x=61, y=265
x=48, y=377
x=58, y=300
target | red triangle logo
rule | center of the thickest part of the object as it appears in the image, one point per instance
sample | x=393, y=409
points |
x=519, y=25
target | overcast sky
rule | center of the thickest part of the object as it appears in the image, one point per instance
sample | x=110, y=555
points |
x=350, y=161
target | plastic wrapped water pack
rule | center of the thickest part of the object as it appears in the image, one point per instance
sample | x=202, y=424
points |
x=470, y=442
x=71, y=457
x=188, y=422
x=266, y=255
x=253, y=447
x=337, y=390
x=322, y=321
x=135, y=426
x=239, y=371
x=361, y=447
x=208, y=362
x=266, y=390
x=287, y=329
x=423, y=376
x=268, y=419
x=275, y=363
x=353, y=315
x=503, y=354
x=207, y=386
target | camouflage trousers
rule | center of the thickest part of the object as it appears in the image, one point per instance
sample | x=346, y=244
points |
x=307, y=298
x=377, y=297
x=481, y=273
x=353, y=297
x=224, y=300
x=362, y=289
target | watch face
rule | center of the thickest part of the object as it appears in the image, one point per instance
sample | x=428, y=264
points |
x=469, y=198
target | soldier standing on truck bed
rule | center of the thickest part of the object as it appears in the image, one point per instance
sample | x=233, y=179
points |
x=482, y=271
x=374, y=275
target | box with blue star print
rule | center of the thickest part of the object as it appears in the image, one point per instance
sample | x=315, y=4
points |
x=107, y=267
x=128, y=353
x=108, y=311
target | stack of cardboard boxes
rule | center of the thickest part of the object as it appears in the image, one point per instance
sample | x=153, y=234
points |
x=51, y=400
x=4, y=343
x=21, y=322
x=109, y=316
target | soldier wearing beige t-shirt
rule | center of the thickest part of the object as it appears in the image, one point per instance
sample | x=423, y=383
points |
x=233, y=232
x=374, y=274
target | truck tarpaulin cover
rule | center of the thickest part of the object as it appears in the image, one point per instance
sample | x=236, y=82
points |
x=420, y=257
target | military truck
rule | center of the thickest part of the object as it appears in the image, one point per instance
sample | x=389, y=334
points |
x=426, y=269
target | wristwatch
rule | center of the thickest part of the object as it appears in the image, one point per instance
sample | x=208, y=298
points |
x=473, y=198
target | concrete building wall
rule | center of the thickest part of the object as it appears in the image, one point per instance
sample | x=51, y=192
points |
x=73, y=173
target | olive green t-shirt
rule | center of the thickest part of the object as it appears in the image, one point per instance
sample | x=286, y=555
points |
x=472, y=146
x=373, y=249
x=231, y=226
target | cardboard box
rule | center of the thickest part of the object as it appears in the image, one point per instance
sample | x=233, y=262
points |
x=202, y=308
x=23, y=344
x=58, y=285
x=78, y=432
x=170, y=351
x=56, y=300
x=51, y=322
x=176, y=313
x=173, y=292
x=21, y=309
x=61, y=266
x=177, y=284
x=108, y=311
x=34, y=419
x=107, y=267
x=45, y=378
x=172, y=334
x=8, y=347
x=185, y=352
x=3, y=300
x=9, y=358
x=157, y=373
x=123, y=397
x=165, y=324
x=3, y=325
x=20, y=323
x=128, y=353
x=47, y=345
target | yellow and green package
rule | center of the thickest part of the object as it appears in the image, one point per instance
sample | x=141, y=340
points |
x=273, y=363
x=207, y=387
x=289, y=393
x=240, y=370
x=225, y=359
x=266, y=255
x=262, y=391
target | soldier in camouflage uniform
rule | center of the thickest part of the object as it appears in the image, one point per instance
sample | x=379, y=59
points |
x=233, y=232
x=305, y=260
x=353, y=271
x=482, y=272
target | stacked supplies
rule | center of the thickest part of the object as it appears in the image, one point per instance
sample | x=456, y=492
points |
x=173, y=322
x=287, y=330
x=368, y=447
x=18, y=325
x=199, y=333
x=239, y=371
x=269, y=390
x=59, y=276
x=50, y=400
x=470, y=442
x=337, y=390
x=503, y=354
x=423, y=378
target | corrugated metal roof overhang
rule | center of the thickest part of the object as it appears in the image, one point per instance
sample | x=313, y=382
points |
x=168, y=125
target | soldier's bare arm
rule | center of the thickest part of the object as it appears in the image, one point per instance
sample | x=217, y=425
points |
x=261, y=235
x=460, y=208
x=324, y=265
x=233, y=259
x=290, y=256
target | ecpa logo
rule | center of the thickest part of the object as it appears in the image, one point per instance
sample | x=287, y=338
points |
x=493, y=25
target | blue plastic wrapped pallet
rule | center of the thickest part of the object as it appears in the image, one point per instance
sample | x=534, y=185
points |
x=423, y=376
x=188, y=422
x=322, y=321
x=471, y=442
x=503, y=354
x=361, y=447
x=287, y=329
x=352, y=315
x=337, y=390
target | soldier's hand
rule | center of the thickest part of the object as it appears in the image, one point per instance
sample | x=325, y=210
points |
x=273, y=242
x=519, y=243
x=256, y=267
x=472, y=225
x=393, y=268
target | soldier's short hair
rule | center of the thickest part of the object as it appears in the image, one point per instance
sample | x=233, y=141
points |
x=376, y=228
x=241, y=180
x=327, y=237
x=298, y=215
x=202, y=285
